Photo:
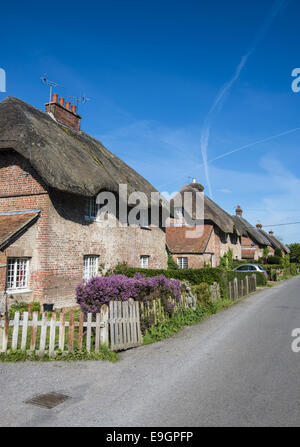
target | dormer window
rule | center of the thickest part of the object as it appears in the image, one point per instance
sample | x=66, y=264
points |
x=92, y=209
x=144, y=220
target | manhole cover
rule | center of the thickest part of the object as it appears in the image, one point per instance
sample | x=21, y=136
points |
x=47, y=400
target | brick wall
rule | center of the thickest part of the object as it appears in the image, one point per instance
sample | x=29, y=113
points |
x=61, y=237
x=247, y=248
x=218, y=245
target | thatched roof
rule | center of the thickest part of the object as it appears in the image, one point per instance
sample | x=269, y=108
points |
x=274, y=242
x=212, y=212
x=248, y=230
x=66, y=160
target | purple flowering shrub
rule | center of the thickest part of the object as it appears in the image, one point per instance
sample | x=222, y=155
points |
x=90, y=295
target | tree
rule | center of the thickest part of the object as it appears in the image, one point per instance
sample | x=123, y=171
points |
x=226, y=261
x=265, y=252
x=171, y=263
x=295, y=252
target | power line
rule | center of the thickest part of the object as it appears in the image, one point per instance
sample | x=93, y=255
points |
x=279, y=225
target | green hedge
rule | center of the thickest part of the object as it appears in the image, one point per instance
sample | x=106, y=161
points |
x=193, y=276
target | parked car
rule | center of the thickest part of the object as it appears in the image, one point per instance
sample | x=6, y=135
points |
x=251, y=268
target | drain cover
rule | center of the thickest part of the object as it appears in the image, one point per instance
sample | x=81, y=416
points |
x=47, y=400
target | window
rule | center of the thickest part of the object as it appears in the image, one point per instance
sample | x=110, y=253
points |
x=182, y=263
x=223, y=237
x=144, y=220
x=17, y=273
x=90, y=267
x=243, y=267
x=145, y=262
x=233, y=238
x=91, y=208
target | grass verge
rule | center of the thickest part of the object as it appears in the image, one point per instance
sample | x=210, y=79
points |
x=104, y=354
x=185, y=317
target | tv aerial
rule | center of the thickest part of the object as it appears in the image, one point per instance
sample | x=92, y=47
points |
x=79, y=99
x=51, y=84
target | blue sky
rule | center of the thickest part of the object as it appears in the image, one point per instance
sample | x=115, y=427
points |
x=153, y=70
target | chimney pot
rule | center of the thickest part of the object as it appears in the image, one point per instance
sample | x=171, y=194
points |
x=259, y=225
x=62, y=113
x=271, y=233
x=239, y=211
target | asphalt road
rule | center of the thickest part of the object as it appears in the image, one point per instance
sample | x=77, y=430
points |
x=235, y=369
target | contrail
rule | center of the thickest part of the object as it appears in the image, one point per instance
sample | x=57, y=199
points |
x=225, y=90
x=246, y=146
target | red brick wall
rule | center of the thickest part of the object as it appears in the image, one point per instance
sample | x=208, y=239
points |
x=21, y=189
x=61, y=237
x=246, y=245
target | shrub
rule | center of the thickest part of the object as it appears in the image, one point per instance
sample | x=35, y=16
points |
x=265, y=252
x=91, y=295
x=274, y=260
x=193, y=276
x=278, y=252
x=202, y=294
x=35, y=306
x=171, y=263
x=293, y=268
x=17, y=307
x=226, y=261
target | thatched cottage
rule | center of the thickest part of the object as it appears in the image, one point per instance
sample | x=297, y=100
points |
x=273, y=241
x=253, y=241
x=50, y=237
x=218, y=233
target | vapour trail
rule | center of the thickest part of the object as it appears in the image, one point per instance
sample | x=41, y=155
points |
x=246, y=146
x=225, y=90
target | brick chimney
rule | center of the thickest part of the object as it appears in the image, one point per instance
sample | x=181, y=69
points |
x=63, y=113
x=259, y=225
x=239, y=211
x=271, y=233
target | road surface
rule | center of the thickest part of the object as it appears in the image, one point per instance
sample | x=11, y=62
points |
x=235, y=369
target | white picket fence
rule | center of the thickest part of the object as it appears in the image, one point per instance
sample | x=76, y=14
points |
x=117, y=326
x=124, y=324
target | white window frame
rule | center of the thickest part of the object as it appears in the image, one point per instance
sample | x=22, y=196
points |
x=90, y=266
x=92, y=209
x=12, y=279
x=183, y=262
x=144, y=223
x=144, y=261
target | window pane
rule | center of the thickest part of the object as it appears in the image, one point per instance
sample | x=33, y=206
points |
x=91, y=207
x=17, y=273
x=90, y=267
x=144, y=262
x=182, y=262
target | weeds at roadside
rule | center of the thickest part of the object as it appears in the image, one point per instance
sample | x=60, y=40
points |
x=185, y=317
x=104, y=354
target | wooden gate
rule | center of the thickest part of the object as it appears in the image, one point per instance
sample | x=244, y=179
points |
x=124, y=325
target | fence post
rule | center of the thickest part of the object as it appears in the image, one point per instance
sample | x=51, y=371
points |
x=104, y=330
x=254, y=276
x=235, y=289
x=247, y=285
